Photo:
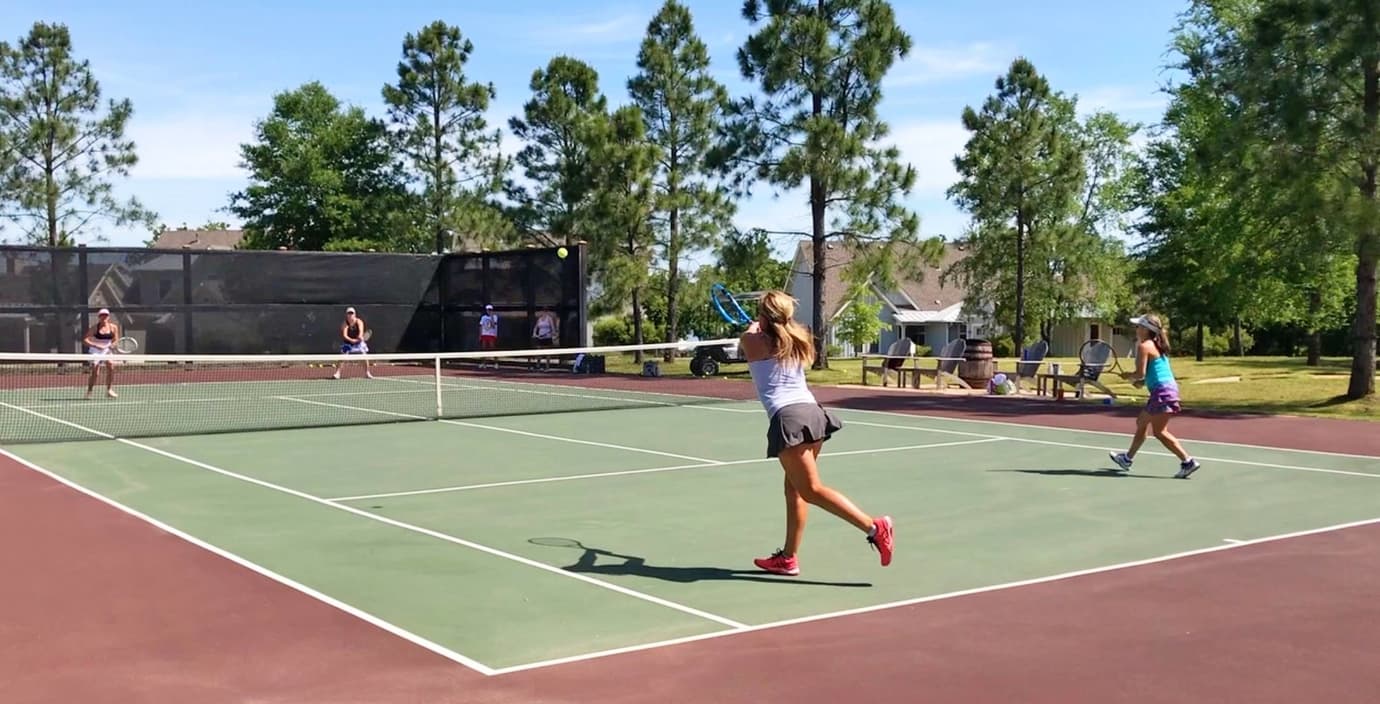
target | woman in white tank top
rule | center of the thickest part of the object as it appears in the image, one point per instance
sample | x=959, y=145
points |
x=778, y=350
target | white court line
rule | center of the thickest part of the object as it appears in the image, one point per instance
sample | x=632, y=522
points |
x=500, y=384
x=1056, y=443
x=495, y=428
x=264, y=571
x=405, y=526
x=506, y=387
x=924, y=416
x=1233, y=541
x=99, y=403
x=1270, y=448
x=649, y=470
x=936, y=597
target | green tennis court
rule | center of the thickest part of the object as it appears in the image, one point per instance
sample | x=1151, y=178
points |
x=517, y=536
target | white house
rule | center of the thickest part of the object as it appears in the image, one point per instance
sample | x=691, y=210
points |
x=923, y=308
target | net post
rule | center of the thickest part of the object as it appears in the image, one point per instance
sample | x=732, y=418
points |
x=436, y=362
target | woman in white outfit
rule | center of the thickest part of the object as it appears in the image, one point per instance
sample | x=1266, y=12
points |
x=100, y=343
x=778, y=350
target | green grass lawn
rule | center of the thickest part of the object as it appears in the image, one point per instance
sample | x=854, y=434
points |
x=1277, y=385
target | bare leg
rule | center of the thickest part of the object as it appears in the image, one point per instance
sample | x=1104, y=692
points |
x=803, y=475
x=1142, y=427
x=1160, y=423
x=796, y=511
x=110, y=379
x=91, y=380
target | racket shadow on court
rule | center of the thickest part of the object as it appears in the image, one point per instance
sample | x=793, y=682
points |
x=619, y=564
x=1097, y=473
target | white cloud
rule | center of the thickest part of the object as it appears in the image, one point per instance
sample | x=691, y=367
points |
x=190, y=145
x=934, y=64
x=787, y=211
x=1130, y=101
x=618, y=28
x=563, y=32
x=930, y=146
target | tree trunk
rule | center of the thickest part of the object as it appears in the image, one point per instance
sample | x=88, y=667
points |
x=1200, y=342
x=817, y=278
x=637, y=321
x=672, y=278
x=817, y=236
x=50, y=195
x=1314, y=330
x=1363, y=327
x=1367, y=250
x=1236, y=333
x=438, y=174
x=1018, y=336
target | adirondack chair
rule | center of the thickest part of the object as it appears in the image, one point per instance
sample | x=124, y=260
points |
x=1032, y=358
x=894, y=361
x=1089, y=372
x=945, y=371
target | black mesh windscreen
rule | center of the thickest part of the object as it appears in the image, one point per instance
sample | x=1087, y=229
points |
x=125, y=279
x=252, y=302
x=39, y=278
x=322, y=278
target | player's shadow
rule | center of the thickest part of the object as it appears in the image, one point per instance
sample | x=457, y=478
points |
x=1098, y=473
x=618, y=564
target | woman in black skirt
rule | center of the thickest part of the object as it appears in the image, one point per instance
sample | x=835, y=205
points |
x=778, y=350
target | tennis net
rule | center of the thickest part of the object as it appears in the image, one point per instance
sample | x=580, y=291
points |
x=45, y=397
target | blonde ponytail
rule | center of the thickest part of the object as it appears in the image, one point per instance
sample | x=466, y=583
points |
x=791, y=341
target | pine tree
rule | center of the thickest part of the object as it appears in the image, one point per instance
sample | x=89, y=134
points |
x=439, y=114
x=59, y=147
x=683, y=107
x=820, y=65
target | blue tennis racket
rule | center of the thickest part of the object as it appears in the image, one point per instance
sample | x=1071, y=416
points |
x=727, y=305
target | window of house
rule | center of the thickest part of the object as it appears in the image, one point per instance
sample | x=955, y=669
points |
x=1095, y=332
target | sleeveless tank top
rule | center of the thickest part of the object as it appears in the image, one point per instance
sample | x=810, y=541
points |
x=779, y=384
x=1159, y=374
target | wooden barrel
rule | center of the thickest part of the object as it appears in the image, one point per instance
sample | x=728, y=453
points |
x=978, y=367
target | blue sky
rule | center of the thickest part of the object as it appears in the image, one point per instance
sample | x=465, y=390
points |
x=200, y=75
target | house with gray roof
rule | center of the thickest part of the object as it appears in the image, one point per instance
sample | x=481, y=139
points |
x=924, y=308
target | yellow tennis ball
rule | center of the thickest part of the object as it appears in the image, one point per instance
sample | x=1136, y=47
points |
x=561, y=252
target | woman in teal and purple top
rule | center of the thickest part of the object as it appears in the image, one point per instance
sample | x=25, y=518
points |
x=1153, y=371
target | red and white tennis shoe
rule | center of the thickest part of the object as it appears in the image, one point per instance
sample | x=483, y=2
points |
x=884, y=539
x=778, y=563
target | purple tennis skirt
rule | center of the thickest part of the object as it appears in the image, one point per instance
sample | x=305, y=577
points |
x=1164, y=399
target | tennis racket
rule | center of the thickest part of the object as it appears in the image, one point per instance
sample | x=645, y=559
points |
x=126, y=345
x=367, y=334
x=727, y=305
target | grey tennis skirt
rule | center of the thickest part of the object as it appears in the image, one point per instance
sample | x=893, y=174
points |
x=800, y=424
